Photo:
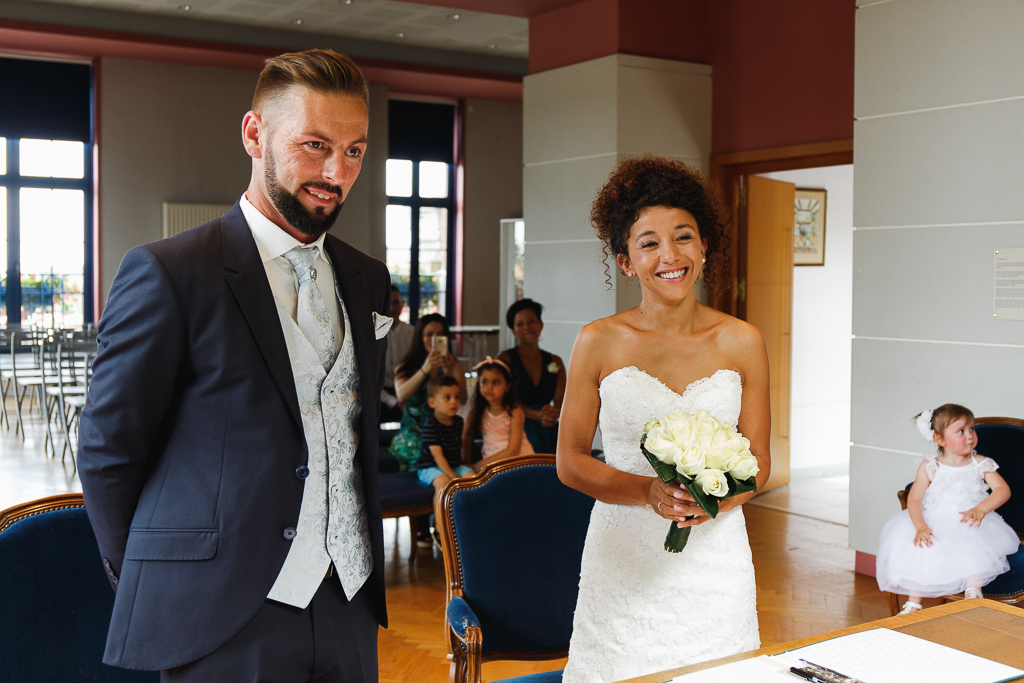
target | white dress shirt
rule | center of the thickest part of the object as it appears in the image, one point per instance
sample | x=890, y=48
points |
x=272, y=243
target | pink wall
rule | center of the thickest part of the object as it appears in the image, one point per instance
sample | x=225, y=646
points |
x=666, y=29
x=783, y=73
x=783, y=69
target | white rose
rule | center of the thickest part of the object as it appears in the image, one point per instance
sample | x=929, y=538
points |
x=660, y=444
x=713, y=482
x=690, y=461
x=745, y=467
x=706, y=429
x=650, y=424
x=553, y=368
x=721, y=459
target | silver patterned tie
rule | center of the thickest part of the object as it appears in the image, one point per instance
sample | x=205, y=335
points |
x=312, y=316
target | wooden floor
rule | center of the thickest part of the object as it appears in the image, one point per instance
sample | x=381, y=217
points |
x=804, y=569
x=805, y=586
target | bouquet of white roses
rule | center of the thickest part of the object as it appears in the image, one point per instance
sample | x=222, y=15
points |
x=710, y=459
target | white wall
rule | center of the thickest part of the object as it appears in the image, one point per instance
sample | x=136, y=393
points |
x=939, y=97
x=167, y=133
x=822, y=323
x=172, y=133
x=578, y=121
x=493, y=134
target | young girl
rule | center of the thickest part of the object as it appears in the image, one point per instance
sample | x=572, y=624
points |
x=948, y=539
x=497, y=414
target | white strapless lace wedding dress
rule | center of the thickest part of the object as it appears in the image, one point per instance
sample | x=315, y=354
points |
x=642, y=609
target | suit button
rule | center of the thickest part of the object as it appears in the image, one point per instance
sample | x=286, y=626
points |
x=301, y=471
x=289, y=533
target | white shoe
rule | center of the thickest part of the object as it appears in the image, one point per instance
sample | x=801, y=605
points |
x=972, y=593
x=909, y=607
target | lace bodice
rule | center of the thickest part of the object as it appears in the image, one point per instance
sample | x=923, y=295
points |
x=630, y=397
x=958, y=487
x=641, y=609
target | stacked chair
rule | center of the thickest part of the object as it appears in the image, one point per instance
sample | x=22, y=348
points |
x=50, y=368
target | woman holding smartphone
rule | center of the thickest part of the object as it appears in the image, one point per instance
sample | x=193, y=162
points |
x=428, y=357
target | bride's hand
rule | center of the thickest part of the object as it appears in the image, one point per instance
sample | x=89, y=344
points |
x=672, y=502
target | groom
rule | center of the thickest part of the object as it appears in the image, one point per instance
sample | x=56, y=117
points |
x=227, y=450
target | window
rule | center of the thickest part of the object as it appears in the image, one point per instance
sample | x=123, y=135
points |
x=418, y=229
x=420, y=217
x=43, y=228
x=46, y=195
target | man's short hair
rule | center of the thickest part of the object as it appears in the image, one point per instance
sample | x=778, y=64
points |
x=438, y=383
x=324, y=71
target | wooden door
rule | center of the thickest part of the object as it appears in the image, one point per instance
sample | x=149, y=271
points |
x=768, y=256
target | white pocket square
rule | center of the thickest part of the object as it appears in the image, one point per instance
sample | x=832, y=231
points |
x=381, y=324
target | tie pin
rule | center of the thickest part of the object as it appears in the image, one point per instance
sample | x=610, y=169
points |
x=312, y=275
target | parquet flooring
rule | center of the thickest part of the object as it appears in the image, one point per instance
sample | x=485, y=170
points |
x=804, y=569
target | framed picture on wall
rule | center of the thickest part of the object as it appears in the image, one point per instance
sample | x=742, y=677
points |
x=809, y=228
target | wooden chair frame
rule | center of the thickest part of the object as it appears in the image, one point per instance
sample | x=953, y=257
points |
x=1008, y=599
x=466, y=655
x=66, y=501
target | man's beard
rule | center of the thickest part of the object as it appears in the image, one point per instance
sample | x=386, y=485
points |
x=313, y=223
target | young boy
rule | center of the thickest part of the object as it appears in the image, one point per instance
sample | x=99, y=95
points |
x=441, y=436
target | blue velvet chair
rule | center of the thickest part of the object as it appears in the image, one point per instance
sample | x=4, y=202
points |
x=1002, y=439
x=513, y=542
x=56, y=601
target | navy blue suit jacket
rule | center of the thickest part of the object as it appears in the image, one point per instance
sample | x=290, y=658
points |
x=192, y=435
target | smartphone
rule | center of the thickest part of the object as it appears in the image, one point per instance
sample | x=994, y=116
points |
x=441, y=344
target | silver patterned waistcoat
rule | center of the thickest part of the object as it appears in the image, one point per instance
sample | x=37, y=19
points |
x=332, y=524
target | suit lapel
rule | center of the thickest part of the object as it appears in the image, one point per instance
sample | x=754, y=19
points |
x=247, y=278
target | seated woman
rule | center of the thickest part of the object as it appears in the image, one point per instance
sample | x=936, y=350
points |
x=540, y=376
x=420, y=365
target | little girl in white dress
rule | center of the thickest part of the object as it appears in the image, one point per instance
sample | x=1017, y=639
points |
x=949, y=539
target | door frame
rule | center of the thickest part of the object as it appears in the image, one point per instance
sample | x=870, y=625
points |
x=728, y=169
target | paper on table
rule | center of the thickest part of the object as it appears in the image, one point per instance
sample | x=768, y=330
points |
x=754, y=670
x=884, y=656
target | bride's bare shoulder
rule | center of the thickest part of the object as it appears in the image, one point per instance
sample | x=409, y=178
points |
x=598, y=340
x=737, y=338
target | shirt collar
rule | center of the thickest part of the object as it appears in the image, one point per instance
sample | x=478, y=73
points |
x=272, y=241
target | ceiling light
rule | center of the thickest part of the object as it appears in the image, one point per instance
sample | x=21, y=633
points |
x=400, y=35
x=297, y=22
x=456, y=17
x=348, y=2
x=492, y=46
x=185, y=8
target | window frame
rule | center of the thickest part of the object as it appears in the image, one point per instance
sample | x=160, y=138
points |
x=15, y=182
x=415, y=202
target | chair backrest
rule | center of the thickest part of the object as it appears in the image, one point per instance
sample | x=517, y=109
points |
x=56, y=603
x=513, y=538
x=1002, y=439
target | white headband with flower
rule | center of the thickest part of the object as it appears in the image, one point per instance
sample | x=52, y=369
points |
x=924, y=425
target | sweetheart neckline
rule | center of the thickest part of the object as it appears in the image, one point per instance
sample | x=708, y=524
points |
x=689, y=386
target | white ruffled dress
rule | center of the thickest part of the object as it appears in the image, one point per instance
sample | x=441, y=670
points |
x=960, y=555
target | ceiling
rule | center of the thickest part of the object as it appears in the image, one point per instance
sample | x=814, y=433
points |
x=418, y=23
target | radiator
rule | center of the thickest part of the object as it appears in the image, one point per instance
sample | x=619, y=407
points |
x=181, y=217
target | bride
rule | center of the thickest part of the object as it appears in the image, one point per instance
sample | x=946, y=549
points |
x=642, y=609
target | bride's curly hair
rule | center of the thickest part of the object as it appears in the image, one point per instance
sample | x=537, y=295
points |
x=642, y=182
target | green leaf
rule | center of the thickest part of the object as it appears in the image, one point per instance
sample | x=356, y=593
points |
x=708, y=504
x=677, y=538
x=741, y=485
x=667, y=473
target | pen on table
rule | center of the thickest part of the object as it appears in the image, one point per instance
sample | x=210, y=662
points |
x=842, y=677
x=806, y=675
